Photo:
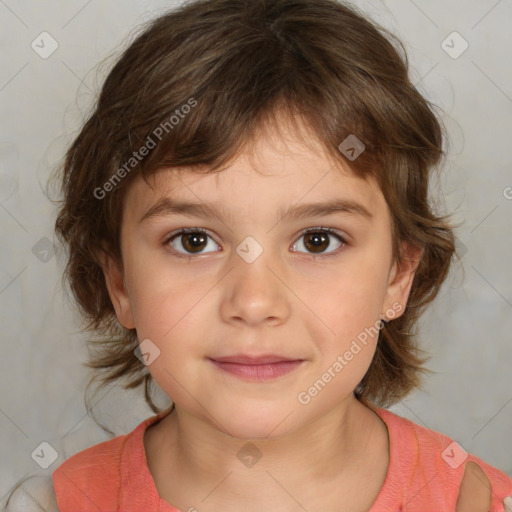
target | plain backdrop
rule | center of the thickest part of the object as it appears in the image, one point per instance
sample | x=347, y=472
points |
x=44, y=100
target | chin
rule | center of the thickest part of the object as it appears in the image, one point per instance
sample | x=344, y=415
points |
x=258, y=423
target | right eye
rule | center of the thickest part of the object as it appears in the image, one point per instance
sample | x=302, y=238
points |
x=192, y=240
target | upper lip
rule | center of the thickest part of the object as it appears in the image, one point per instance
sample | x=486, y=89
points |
x=253, y=360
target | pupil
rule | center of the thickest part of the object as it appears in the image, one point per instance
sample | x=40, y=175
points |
x=317, y=240
x=194, y=241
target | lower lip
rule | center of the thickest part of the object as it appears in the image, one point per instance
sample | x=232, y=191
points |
x=258, y=372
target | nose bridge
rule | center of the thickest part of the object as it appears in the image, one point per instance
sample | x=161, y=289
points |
x=252, y=260
x=255, y=293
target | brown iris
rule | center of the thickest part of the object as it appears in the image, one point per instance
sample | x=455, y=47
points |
x=319, y=241
x=193, y=241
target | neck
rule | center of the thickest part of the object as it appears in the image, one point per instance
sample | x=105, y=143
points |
x=326, y=451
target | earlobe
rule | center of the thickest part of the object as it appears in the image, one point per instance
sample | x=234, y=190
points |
x=401, y=278
x=117, y=290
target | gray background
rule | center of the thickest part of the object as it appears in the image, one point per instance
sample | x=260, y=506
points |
x=44, y=100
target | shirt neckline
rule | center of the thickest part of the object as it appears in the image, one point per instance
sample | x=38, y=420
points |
x=388, y=498
x=137, y=469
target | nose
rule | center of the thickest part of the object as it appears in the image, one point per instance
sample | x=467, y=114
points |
x=255, y=291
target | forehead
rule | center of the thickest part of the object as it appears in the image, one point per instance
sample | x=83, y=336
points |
x=277, y=167
x=236, y=195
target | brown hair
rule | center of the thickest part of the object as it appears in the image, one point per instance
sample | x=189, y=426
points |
x=235, y=64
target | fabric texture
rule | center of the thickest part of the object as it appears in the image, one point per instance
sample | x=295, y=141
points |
x=34, y=494
x=424, y=475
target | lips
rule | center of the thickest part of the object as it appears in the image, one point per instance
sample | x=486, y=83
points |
x=256, y=368
x=253, y=360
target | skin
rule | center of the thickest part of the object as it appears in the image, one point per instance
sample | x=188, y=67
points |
x=289, y=301
x=475, y=490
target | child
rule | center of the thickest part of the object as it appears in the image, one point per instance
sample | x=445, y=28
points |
x=248, y=225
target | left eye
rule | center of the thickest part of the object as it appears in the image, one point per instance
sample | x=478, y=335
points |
x=195, y=240
x=317, y=240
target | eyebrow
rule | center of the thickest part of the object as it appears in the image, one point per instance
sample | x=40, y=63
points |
x=166, y=206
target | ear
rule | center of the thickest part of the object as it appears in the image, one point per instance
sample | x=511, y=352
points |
x=116, y=286
x=400, y=281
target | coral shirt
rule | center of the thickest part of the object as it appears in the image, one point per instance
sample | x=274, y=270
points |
x=424, y=474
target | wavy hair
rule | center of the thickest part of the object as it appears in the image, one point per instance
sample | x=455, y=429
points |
x=199, y=81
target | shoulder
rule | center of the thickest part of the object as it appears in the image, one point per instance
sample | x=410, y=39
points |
x=93, y=473
x=95, y=478
x=91, y=478
x=33, y=494
x=94, y=464
x=443, y=469
x=475, y=494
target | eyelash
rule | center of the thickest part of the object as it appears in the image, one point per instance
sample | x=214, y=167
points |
x=319, y=229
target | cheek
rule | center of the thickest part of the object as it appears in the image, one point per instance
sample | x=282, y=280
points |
x=350, y=306
x=169, y=313
x=353, y=299
x=162, y=291
x=166, y=308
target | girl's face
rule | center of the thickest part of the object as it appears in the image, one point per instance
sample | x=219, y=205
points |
x=247, y=281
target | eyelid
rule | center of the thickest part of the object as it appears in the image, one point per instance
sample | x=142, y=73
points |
x=342, y=238
x=184, y=231
x=325, y=229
